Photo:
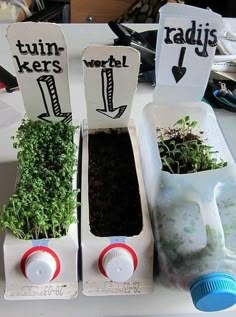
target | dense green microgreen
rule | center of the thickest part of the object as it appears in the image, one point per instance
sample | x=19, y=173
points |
x=44, y=201
x=183, y=151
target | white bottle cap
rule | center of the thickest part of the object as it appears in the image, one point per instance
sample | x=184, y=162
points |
x=40, y=267
x=118, y=265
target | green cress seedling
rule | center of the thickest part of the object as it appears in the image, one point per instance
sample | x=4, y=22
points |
x=44, y=201
x=183, y=151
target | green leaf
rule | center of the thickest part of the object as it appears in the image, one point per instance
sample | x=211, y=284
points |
x=193, y=124
x=179, y=122
x=187, y=119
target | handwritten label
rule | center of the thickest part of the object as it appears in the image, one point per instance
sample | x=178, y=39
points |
x=187, y=38
x=197, y=36
x=38, y=49
x=40, y=58
x=110, y=79
x=110, y=62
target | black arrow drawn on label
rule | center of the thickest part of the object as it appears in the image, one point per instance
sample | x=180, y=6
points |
x=179, y=71
x=51, y=101
x=107, y=96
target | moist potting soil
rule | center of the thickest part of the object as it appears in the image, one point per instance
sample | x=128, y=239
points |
x=114, y=200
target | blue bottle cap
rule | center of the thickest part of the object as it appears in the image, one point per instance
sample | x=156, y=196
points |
x=213, y=292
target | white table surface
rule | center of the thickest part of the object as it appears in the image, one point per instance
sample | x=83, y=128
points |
x=162, y=301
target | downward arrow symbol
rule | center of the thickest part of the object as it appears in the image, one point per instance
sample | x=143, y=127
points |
x=51, y=101
x=179, y=71
x=107, y=95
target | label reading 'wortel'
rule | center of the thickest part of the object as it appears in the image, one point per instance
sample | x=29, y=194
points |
x=110, y=79
x=110, y=62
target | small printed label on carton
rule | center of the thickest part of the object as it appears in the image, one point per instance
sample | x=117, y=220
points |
x=110, y=78
x=113, y=288
x=41, y=66
x=42, y=291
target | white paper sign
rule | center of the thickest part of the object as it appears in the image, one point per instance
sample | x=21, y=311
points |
x=186, y=43
x=110, y=79
x=40, y=59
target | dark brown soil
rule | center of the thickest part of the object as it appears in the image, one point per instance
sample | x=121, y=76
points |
x=175, y=134
x=114, y=201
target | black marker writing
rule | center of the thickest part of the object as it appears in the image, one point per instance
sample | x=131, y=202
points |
x=111, y=62
x=39, y=48
x=53, y=112
x=38, y=66
x=201, y=36
x=107, y=95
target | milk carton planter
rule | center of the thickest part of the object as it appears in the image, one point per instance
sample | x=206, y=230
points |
x=41, y=243
x=117, y=241
x=41, y=240
x=192, y=212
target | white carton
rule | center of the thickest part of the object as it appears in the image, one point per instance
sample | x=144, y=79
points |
x=113, y=265
x=186, y=44
x=40, y=59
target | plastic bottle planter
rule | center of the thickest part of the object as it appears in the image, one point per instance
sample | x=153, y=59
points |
x=117, y=242
x=193, y=214
x=44, y=268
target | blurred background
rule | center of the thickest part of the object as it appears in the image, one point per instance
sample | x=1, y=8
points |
x=99, y=11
